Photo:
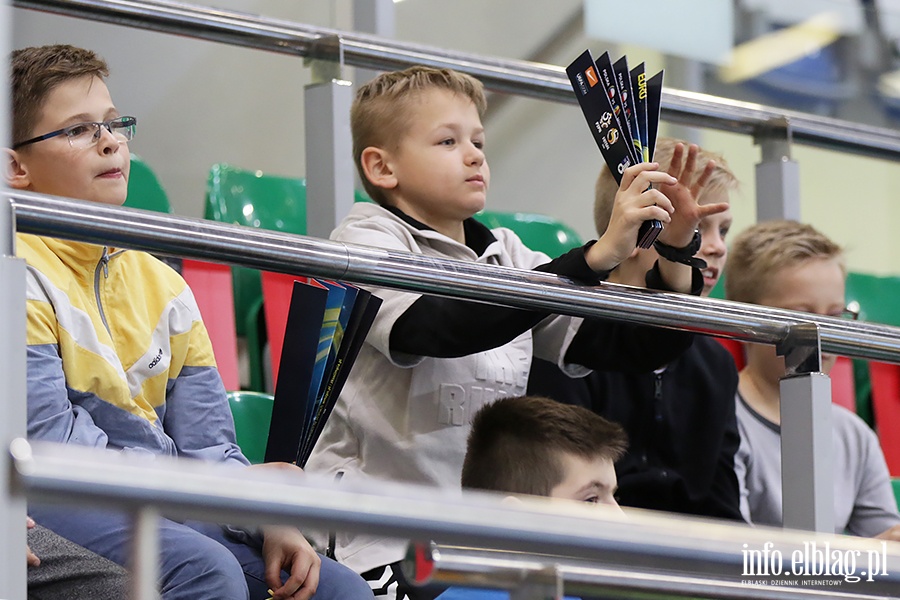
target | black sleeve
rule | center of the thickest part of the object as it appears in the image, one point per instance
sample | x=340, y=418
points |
x=548, y=380
x=725, y=495
x=449, y=328
x=616, y=346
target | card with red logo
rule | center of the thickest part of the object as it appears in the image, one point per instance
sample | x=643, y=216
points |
x=613, y=118
x=608, y=81
x=627, y=100
x=598, y=110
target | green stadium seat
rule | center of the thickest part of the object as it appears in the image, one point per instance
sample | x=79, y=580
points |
x=255, y=199
x=538, y=232
x=144, y=188
x=875, y=296
x=252, y=412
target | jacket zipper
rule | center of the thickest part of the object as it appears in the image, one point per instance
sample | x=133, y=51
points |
x=103, y=266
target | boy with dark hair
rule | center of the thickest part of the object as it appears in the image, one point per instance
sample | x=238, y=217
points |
x=533, y=445
x=430, y=363
x=118, y=356
x=790, y=265
x=540, y=447
x=679, y=418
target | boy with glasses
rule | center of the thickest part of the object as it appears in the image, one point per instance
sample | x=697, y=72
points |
x=118, y=356
x=790, y=265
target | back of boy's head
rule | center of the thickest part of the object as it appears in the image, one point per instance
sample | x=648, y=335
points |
x=722, y=179
x=766, y=248
x=380, y=113
x=36, y=71
x=517, y=445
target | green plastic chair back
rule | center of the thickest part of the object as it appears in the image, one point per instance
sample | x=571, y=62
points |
x=144, y=189
x=252, y=412
x=538, y=232
x=875, y=296
x=254, y=199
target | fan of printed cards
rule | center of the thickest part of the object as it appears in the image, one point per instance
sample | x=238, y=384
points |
x=622, y=109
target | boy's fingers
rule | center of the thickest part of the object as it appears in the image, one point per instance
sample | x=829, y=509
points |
x=704, y=177
x=654, y=197
x=645, y=179
x=687, y=173
x=677, y=158
x=632, y=173
x=648, y=213
x=705, y=210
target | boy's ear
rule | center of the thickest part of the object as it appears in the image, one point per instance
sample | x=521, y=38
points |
x=377, y=167
x=16, y=173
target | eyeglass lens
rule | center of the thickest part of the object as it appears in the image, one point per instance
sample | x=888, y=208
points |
x=87, y=134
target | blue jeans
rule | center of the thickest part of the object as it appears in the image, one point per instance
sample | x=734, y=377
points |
x=197, y=560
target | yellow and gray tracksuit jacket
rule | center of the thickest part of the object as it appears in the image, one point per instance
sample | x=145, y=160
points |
x=118, y=356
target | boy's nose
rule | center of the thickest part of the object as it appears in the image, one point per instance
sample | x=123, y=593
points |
x=108, y=143
x=713, y=246
x=476, y=156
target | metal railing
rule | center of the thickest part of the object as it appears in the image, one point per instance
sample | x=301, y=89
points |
x=582, y=548
x=535, y=80
x=295, y=254
x=302, y=255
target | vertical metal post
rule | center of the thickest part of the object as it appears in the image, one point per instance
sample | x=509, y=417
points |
x=373, y=16
x=806, y=435
x=777, y=176
x=12, y=414
x=145, y=554
x=548, y=586
x=329, y=155
x=329, y=147
x=12, y=364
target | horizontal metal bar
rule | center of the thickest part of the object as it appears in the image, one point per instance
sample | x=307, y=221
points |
x=450, y=565
x=536, y=80
x=301, y=255
x=638, y=541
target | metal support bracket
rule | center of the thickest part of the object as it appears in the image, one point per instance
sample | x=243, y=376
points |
x=801, y=349
x=326, y=59
x=806, y=433
x=546, y=585
x=777, y=175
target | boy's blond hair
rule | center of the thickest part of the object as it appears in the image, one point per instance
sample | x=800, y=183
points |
x=380, y=113
x=36, y=71
x=766, y=248
x=722, y=179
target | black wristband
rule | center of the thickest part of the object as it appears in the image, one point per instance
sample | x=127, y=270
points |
x=684, y=255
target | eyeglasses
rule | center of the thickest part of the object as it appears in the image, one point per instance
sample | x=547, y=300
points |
x=85, y=135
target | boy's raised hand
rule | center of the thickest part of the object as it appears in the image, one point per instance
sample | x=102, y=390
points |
x=683, y=194
x=636, y=202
